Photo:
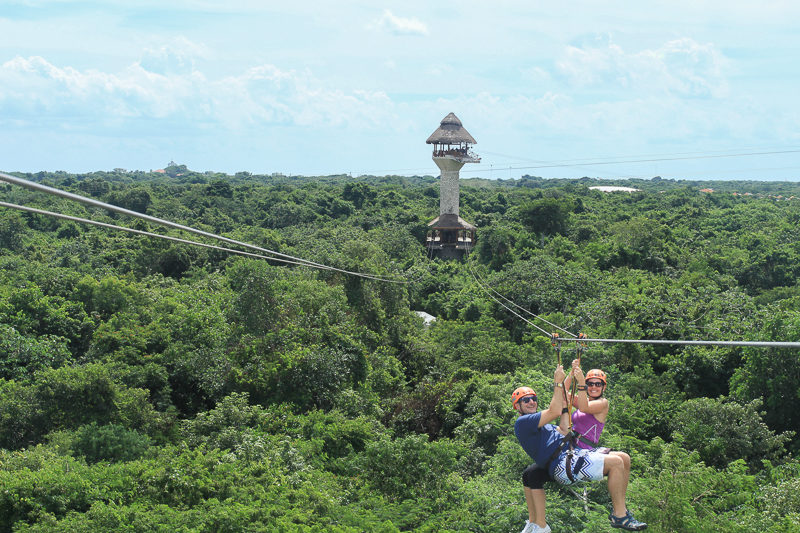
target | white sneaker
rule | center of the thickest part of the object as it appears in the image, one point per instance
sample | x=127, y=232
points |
x=539, y=529
x=529, y=527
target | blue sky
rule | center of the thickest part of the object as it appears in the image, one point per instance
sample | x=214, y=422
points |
x=618, y=89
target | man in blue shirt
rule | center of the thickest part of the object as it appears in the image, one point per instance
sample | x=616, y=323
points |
x=547, y=446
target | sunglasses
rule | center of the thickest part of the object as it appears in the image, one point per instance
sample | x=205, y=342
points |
x=527, y=399
x=594, y=383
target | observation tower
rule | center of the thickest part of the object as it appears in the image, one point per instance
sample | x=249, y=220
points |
x=449, y=235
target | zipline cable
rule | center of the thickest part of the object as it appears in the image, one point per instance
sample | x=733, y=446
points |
x=145, y=233
x=526, y=310
x=96, y=203
x=610, y=160
x=771, y=344
x=478, y=283
x=555, y=338
x=426, y=270
x=732, y=152
x=653, y=160
x=50, y=190
x=762, y=344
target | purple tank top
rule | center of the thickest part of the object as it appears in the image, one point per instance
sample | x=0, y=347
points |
x=588, y=426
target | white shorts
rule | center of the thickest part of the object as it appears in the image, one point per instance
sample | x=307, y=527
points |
x=586, y=465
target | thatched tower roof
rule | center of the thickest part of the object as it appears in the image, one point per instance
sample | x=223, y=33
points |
x=450, y=132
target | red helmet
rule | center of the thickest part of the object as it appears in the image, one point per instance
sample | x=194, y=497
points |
x=519, y=393
x=597, y=373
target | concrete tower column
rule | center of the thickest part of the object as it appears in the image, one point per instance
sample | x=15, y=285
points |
x=448, y=185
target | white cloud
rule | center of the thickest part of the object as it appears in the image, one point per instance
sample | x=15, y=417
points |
x=262, y=80
x=694, y=69
x=265, y=94
x=554, y=125
x=440, y=70
x=536, y=75
x=399, y=25
x=176, y=57
x=34, y=90
x=681, y=67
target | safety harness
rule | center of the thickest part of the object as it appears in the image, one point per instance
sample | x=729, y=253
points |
x=572, y=437
x=569, y=442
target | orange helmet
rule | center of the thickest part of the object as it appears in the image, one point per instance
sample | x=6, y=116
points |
x=520, y=392
x=597, y=373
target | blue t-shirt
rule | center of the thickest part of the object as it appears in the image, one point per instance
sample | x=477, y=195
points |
x=538, y=442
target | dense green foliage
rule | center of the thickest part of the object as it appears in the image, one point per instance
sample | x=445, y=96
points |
x=147, y=385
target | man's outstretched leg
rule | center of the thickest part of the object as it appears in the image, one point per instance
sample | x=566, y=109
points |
x=535, y=499
x=533, y=480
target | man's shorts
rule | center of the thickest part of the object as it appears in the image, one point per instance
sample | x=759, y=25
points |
x=586, y=465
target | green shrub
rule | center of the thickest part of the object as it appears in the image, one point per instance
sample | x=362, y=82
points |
x=67, y=398
x=111, y=442
x=23, y=356
x=722, y=431
x=410, y=467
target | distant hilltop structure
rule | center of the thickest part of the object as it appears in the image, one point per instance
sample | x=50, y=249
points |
x=450, y=236
x=611, y=188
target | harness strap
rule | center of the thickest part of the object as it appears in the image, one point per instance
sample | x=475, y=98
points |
x=556, y=342
x=568, y=465
x=570, y=439
x=584, y=439
x=556, y=453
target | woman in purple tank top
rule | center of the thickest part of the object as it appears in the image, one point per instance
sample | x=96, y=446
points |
x=590, y=417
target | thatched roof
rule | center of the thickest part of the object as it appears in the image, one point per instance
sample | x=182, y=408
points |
x=450, y=221
x=450, y=132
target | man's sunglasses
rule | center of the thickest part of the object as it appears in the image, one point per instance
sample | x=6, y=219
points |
x=527, y=399
x=594, y=383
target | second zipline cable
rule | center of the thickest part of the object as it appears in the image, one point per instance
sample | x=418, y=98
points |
x=96, y=203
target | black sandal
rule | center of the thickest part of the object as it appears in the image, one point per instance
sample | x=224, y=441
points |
x=627, y=522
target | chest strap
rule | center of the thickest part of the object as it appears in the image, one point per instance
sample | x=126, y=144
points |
x=584, y=439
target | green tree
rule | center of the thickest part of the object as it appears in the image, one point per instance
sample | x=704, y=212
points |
x=358, y=194
x=67, y=398
x=111, y=442
x=30, y=311
x=724, y=431
x=12, y=230
x=546, y=216
x=137, y=199
x=25, y=356
x=773, y=374
x=411, y=467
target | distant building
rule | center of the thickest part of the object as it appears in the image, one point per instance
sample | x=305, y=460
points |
x=610, y=188
x=427, y=319
x=449, y=236
x=707, y=190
